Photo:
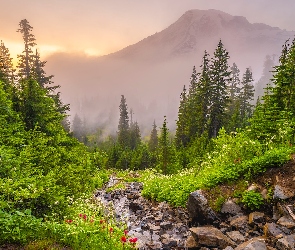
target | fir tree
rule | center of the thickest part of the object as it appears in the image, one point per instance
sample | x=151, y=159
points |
x=6, y=66
x=123, y=127
x=181, y=136
x=26, y=60
x=78, y=128
x=164, y=148
x=246, y=96
x=220, y=76
x=153, y=141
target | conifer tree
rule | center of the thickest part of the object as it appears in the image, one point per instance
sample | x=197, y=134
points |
x=164, y=147
x=181, y=136
x=246, y=96
x=153, y=141
x=6, y=65
x=26, y=61
x=192, y=109
x=204, y=94
x=220, y=76
x=123, y=127
x=78, y=128
x=135, y=137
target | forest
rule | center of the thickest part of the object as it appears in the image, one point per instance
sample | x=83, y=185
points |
x=49, y=168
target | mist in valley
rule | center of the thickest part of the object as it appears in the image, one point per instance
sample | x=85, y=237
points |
x=152, y=72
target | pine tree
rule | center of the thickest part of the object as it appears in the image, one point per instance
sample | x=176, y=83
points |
x=78, y=128
x=135, y=137
x=181, y=136
x=123, y=127
x=6, y=66
x=220, y=76
x=246, y=96
x=164, y=147
x=266, y=77
x=26, y=60
x=192, y=108
x=153, y=141
x=39, y=73
x=233, y=117
x=204, y=93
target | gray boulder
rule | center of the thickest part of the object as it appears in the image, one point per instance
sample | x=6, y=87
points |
x=257, y=243
x=211, y=237
x=198, y=209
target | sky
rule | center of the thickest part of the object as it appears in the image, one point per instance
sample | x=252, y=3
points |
x=100, y=27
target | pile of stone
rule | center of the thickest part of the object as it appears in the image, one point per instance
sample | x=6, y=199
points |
x=234, y=228
x=159, y=226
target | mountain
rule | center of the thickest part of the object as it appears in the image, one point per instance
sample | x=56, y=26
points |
x=152, y=72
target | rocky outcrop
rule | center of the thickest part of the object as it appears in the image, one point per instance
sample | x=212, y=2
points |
x=240, y=229
x=210, y=237
x=199, y=210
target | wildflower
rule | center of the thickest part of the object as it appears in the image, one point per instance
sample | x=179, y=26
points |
x=80, y=215
x=111, y=229
x=125, y=231
x=69, y=221
x=101, y=221
x=84, y=217
x=133, y=240
x=92, y=220
x=123, y=239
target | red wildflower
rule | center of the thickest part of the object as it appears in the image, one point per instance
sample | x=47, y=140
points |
x=101, y=221
x=80, y=215
x=69, y=221
x=123, y=239
x=84, y=217
x=125, y=231
x=133, y=240
x=111, y=229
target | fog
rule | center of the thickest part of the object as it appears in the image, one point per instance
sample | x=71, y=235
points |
x=152, y=72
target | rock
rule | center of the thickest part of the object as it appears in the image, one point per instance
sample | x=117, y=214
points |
x=264, y=194
x=256, y=218
x=272, y=230
x=191, y=244
x=166, y=225
x=228, y=248
x=257, y=243
x=282, y=193
x=253, y=187
x=135, y=206
x=229, y=207
x=236, y=236
x=240, y=222
x=169, y=243
x=286, y=243
x=199, y=210
x=286, y=222
x=211, y=237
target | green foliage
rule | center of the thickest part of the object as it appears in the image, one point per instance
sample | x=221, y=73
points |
x=19, y=227
x=252, y=199
x=234, y=156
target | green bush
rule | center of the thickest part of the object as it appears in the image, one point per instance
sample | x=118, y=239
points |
x=252, y=199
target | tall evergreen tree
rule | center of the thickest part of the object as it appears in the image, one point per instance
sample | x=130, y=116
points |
x=220, y=76
x=164, y=147
x=135, y=137
x=204, y=93
x=246, y=96
x=123, y=127
x=181, y=136
x=26, y=61
x=153, y=141
x=6, y=65
x=78, y=128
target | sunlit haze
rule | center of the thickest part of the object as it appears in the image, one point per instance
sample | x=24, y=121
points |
x=82, y=42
